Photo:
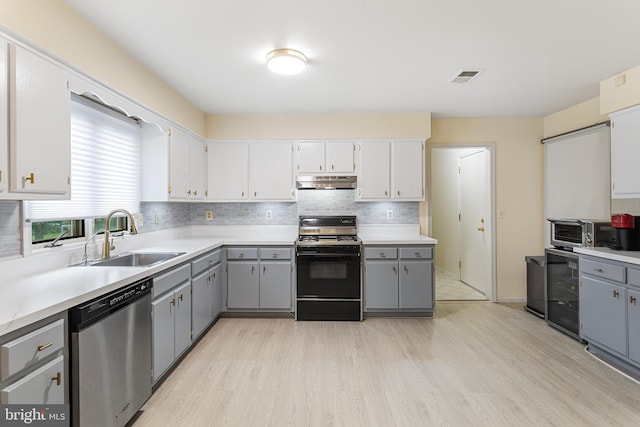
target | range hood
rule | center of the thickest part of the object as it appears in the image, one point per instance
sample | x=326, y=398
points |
x=323, y=182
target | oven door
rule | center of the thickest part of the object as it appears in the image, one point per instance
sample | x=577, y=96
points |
x=566, y=233
x=328, y=272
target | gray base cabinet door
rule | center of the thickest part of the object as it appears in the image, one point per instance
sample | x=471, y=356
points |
x=633, y=320
x=163, y=310
x=275, y=285
x=182, y=295
x=216, y=292
x=415, y=284
x=201, y=297
x=605, y=317
x=381, y=289
x=243, y=285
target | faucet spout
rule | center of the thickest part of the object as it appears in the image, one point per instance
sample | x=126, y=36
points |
x=107, y=246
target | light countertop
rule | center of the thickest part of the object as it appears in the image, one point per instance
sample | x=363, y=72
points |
x=631, y=257
x=42, y=284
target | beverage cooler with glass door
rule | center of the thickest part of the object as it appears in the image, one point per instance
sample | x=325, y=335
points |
x=562, y=288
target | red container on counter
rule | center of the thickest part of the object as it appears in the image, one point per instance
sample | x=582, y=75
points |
x=622, y=221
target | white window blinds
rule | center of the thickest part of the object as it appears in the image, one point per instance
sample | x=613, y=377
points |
x=105, y=165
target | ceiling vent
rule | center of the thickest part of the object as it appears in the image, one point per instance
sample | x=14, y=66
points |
x=464, y=76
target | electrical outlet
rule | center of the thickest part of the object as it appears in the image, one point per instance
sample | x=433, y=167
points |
x=269, y=214
x=208, y=215
x=140, y=220
x=389, y=213
x=157, y=218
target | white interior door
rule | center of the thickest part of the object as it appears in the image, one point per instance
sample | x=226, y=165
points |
x=475, y=220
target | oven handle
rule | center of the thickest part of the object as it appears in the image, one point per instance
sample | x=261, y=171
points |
x=325, y=255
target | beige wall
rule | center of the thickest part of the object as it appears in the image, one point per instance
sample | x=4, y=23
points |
x=53, y=26
x=576, y=117
x=620, y=91
x=519, y=190
x=318, y=126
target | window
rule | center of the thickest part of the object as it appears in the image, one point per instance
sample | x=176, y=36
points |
x=105, y=172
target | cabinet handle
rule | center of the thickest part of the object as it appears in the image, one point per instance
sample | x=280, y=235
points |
x=599, y=270
x=214, y=275
x=418, y=254
x=172, y=302
x=616, y=294
x=406, y=269
x=398, y=192
x=252, y=270
x=331, y=167
x=320, y=167
x=243, y=194
x=386, y=193
x=31, y=178
x=632, y=300
x=181, y=298
x=57, y=378
x=255, y=194
x=44, y=347
x=394, y=269
x=275, y=256
x=195, y=192
x=241, y=255
x=382, y=255
x=189, y=192
x=264, y=269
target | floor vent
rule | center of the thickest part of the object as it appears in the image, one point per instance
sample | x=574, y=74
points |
x=464, y=76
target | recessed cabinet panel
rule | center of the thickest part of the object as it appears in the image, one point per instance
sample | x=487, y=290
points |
x=39, y=129
x=609, y=325
x=633, y=320
x=197, y=169
x=373, y=178
x=163, y=310
x=381, y=290
x=310, y=157
x=228, y=171
x=415, y=284
x=271, y=174
x=408, y=170
x=339, y=157
x=179, y=168
x=43, y=386
x=243, y=291
x=183, y=318
x=275, y=285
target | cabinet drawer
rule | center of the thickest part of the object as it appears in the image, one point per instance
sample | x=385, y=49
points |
x=604, y=269
x=381, y=253
x=43, y=386
x=633, y=276
x=275, y=253
x=31, y=348
x=205, y=261
x=171, y=278
x=242, y=253
x=417, y=252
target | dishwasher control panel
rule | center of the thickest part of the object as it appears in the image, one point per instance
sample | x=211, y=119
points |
x=91, y=311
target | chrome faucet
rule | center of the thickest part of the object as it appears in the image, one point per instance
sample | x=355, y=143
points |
x=108, y=244
x=85, y=256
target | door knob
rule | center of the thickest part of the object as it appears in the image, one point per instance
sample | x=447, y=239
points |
x=480, y=228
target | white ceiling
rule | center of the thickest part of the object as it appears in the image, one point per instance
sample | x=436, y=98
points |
x=539, y=56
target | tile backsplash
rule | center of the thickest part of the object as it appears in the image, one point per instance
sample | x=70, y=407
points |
x=163, y=215
x=9, y=228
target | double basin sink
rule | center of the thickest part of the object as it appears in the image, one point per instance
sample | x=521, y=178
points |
x=135, y=259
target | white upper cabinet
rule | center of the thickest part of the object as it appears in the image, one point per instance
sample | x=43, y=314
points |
x=271, y=172
x=374, y=168
x=197, y=169
x=4, y=117
x=320, y=157
x=228, y=171
x=407, y=170
x=625, y=152
x=391, y=170
x=39, y=127
x=173, y=165
x=179, y=164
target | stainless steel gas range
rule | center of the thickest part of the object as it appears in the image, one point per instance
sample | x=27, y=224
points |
x=329, y=269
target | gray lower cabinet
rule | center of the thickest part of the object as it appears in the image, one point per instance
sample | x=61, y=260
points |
x=33, y=363
x=398, y=279
x=171, y=311
x=260, y=279
x=610, y=309
x=206, y=285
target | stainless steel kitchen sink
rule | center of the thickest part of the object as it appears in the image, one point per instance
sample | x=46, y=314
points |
x=136, y=259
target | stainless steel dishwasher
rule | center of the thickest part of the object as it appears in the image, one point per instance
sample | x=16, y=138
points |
x=111, y=356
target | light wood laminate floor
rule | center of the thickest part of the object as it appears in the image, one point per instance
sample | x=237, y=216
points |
x=474, y=364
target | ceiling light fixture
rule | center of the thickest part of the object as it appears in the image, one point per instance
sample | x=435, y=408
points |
x=286, y=61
